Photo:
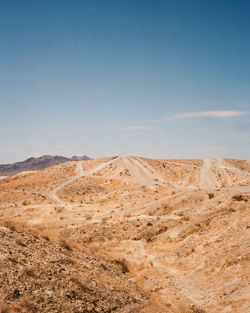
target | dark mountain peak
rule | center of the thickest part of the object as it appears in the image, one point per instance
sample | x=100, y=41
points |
x=39, y=163
x=80, y=158
x=29, y=159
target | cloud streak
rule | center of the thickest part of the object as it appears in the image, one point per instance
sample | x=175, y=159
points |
x=214, y=114
x=135, y=128
x=200, y=114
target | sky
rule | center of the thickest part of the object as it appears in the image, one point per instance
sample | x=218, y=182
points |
x=153, y=78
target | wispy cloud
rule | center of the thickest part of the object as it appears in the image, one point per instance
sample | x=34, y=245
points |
x=135, y=128
x=215, y=114
x=199, y=114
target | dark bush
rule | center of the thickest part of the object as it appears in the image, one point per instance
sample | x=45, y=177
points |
x=211, y=195
x=239, y=198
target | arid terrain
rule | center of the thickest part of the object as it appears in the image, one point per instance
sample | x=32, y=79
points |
x=127, y=234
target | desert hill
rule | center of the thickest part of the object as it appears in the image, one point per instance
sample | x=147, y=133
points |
x=34, y=164
x=38, y=276
x=178, y=228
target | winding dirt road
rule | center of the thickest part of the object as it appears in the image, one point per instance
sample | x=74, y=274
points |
x=52, y=194
x=180, y=245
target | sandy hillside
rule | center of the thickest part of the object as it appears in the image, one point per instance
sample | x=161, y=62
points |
x=174, y=230
x=38, y=276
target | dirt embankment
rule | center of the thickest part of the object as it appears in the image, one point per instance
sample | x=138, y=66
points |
x=38, y=276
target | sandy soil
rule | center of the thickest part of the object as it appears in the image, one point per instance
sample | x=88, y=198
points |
x=181, y=226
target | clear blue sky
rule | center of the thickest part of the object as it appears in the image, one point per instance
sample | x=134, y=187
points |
x=158, y=78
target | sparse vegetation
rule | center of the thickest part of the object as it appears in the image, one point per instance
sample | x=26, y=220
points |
x=211, y=195
x=65, y=244
x=239, y=198
x=55, y=274
x=122, y=265
x=29, y=272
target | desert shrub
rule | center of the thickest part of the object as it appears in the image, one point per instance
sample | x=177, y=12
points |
x=66, y=244
x=239, y=198
x=196, y=309
x=13, y=260
x=122, y=265
x=29, y=272
x=70, y=244
x=211, y=195
x=49, y=235
x=20, y=243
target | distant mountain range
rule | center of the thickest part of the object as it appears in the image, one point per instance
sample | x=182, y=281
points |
x=34, y=164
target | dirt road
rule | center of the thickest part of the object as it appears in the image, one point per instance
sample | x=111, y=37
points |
x=187, y=249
